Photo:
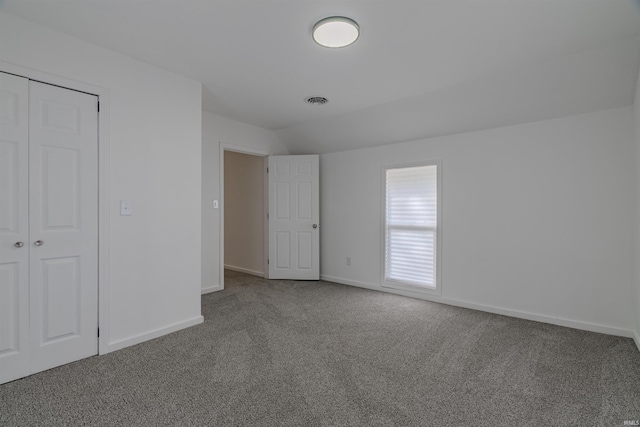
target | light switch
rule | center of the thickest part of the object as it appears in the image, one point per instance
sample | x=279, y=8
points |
x=215, y=204
x=125, y=208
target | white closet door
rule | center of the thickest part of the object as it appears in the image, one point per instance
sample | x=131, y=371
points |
x=63, y=198
x=14, y=227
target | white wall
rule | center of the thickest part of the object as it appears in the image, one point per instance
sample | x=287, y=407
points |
x=154, y=139
x=218, y=130
x=537, y=218
x=244, y=211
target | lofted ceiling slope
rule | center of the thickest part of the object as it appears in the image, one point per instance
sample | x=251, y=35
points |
x=420, y=68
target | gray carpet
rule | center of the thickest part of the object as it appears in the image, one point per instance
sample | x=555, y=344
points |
x=311, y=354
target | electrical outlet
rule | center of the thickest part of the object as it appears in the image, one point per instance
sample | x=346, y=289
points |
x=348, y=260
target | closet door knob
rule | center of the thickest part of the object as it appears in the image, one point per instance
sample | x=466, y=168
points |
x=38, y=243
x=19, y=244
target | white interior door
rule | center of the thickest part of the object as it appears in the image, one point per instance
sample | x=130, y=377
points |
x=14, y=227
x=63, y=200
x=48, y=226
x=294, y=214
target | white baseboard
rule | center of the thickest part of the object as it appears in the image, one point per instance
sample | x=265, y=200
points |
x=127, y=342
x=244, y=270
x=592, y=327
x=209, y=289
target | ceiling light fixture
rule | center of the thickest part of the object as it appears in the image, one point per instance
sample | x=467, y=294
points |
x=336, y=32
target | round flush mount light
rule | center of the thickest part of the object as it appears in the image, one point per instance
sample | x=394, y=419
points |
x=336, y=32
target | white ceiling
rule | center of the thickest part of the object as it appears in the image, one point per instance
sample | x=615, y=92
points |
x=420, y=68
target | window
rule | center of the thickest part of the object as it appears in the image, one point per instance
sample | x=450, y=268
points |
x=411, y=228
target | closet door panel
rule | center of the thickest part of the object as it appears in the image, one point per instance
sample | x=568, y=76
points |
x=14, y=227
x=63, y=216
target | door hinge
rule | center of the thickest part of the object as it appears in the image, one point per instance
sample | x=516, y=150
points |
x=267, y=215
x=98, y=332
x=267, y=170
x=98, y=106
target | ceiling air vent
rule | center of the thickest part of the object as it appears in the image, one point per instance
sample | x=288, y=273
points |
x=317, y=100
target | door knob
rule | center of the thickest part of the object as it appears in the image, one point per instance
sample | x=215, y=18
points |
x=38, y=243
x=315, y=225
x=19, y=244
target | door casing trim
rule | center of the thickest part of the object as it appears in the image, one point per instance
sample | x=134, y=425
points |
x=103, y=182
x=254, y=152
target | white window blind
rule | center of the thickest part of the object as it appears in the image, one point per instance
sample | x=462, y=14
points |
x=411, y=218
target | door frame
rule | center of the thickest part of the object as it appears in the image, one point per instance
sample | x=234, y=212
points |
x=103, y=182
x=253, y=152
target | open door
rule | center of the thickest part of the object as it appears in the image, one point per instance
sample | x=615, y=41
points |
x=294, y=214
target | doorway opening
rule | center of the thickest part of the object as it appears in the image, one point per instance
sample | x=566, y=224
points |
x=243, y=214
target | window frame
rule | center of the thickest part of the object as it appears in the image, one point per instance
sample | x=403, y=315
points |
x=404, y=286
